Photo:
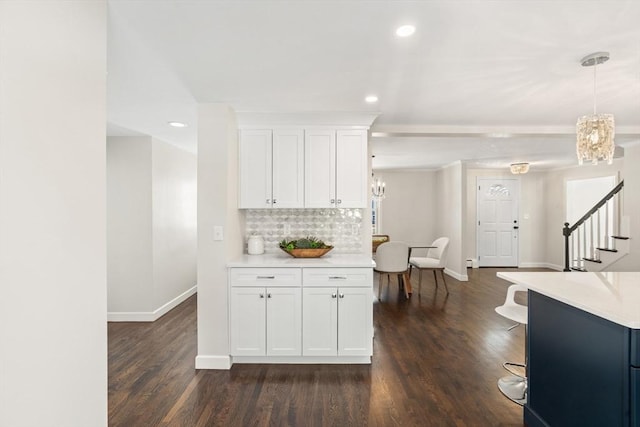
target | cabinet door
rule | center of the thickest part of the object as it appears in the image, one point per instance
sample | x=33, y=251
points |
x=351, y=169
x=248, y=326
x=319, y=168
x=635, y=396
x=284, y=315
x=255, y=169
x=288, y=168
x=320, y=322
x=355, y=321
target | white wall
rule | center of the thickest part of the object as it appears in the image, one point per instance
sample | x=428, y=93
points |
x=217, y=206
x=631, y=209
x=175, y=240
x=451, y=202
x=410, y=206
x=53, y=337
x=129, y=255
x=152, y=241
x=532, y=215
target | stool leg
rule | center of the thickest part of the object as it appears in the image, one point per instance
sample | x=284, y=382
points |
x=515, y=387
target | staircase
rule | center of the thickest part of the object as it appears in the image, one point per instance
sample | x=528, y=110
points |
x=600, y=237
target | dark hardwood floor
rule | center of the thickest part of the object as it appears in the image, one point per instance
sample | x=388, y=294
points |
x=436, y=362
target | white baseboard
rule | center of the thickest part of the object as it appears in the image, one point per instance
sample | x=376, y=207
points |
x=304, y=360
x=150, y=316
x=457, y=276
x=213, y=362
x=541, y=265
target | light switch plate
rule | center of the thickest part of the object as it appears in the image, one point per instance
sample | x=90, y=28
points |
x=218, y=233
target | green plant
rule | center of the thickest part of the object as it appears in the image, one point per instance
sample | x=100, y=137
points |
x=309, y=242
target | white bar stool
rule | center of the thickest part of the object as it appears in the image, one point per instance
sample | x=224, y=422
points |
x=514, y=386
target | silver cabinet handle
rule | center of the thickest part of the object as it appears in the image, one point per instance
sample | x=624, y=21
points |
x=333, y=295
x=274, y=201
x=268, y=201
x=337, y=278
x=266, y=277
x=261, y=295
x=341, y=295
x=339, y=201
x=268, y=295
x=333, y=201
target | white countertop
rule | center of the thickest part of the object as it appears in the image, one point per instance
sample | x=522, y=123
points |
x=610, y=295
x=283, y=260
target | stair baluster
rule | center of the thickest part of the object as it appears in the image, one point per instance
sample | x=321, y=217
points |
x=582, y=243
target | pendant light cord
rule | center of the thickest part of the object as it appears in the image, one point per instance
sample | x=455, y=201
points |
x=594, y=87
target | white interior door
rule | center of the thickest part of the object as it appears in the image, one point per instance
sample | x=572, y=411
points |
x=497, y=213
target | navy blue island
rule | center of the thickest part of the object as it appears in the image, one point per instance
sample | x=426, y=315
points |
x=583, y=362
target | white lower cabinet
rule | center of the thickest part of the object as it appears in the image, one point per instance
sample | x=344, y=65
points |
x=284, y=318
x=337, y=322
x=266, y=321
x=320, y=322
x=303, y=315
x=248, y=321
x=355, y=322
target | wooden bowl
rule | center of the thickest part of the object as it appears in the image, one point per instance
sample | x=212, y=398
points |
x=308, y=253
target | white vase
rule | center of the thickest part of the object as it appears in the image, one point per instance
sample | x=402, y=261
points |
x=255, y=245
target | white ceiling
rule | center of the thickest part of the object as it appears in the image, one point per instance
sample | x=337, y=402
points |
x=488, y=82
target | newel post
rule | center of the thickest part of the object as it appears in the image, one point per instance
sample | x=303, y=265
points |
x=566, y=232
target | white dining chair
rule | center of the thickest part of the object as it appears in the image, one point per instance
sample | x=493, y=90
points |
x=436, y=260
x=391, y=258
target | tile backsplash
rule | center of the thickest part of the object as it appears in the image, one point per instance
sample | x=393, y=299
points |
x=341, y=228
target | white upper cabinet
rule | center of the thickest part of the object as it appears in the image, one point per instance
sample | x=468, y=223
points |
x=288, y=168
x=255, y=169
x=271, y=169
x=351, y=169
x=335, y=168
x=320, y=168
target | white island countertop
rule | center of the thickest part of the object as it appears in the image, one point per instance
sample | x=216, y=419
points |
x=280, y=260
x=614, y=296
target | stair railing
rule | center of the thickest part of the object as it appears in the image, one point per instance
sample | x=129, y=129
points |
x=593, y=230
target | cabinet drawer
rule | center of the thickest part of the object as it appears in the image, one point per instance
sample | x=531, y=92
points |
x=265, y=277
x=337, y=277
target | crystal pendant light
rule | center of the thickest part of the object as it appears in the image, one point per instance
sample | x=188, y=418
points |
x=519, y=168
x=595, y=133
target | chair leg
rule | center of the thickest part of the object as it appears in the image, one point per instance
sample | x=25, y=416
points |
x=388, y=283
x=380, y=277
x=419, y=281
x=443, y=280
x=436, y=278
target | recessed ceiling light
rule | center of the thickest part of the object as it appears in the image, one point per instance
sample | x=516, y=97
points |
x=177, y=124
x=405, y=31
x=371, y=99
